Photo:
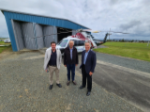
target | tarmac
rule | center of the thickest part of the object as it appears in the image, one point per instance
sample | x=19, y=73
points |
x=24, y=87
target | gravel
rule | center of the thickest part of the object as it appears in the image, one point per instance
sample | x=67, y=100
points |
x=125, y=62
x=24, y=88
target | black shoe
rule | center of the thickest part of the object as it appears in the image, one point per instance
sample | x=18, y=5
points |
x=88, y=93
x=74, y=82
x=59, y=85
x=81, y=87
x=68, y=83
x=50, y=87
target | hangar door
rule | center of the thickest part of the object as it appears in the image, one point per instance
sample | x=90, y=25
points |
x=33, y=36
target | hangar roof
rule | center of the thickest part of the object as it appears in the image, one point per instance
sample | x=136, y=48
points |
x=42, y=19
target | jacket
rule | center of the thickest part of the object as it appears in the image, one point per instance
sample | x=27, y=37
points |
x=90, y=61
x=48, y=56
x=67, y=58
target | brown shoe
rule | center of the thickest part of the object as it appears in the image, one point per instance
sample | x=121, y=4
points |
x=74, y=82
x=68, y=83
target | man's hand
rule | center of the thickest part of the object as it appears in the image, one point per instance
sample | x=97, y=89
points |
x=65, y=65
x=90, y=73
x=46, y=70
x=76, y=64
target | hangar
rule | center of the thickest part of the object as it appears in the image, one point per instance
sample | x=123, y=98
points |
x=34, y=32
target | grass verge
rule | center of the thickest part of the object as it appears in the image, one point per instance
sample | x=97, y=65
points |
x=3, y=48
x=133, y=50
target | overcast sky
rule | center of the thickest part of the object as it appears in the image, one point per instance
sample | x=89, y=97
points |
x=131, y=16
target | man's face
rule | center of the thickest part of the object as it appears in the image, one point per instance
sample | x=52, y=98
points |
x=53, y=46
x=87, y=46
x=71, y=44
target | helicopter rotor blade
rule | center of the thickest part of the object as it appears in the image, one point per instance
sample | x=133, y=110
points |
x=80, y=30
x=109, y=31
x=119, y=32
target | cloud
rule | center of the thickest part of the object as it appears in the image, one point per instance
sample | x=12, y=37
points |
x=119, y=15
x=131, y=24
x=114, y=2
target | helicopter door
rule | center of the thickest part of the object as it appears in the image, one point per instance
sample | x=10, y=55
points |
x=79, y=44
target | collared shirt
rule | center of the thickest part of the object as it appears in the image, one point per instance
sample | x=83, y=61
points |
x=85, y=56
x=52, y=61
x=71, y=52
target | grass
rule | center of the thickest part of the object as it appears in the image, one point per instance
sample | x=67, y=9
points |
x=3, y=43
x=3, y=48
x=126, y=49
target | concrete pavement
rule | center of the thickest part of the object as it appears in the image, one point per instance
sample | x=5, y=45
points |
x=129, y=83
x=24, y=88
x=125, y=62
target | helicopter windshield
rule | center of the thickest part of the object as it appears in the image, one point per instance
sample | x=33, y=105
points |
x=63, y=43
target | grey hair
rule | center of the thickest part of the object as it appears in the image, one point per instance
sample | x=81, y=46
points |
x=87, y=42
x=71, y=41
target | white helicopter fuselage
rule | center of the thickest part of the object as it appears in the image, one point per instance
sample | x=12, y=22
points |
x=79, y=40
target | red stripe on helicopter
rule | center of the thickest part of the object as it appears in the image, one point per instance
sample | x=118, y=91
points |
x=82, y=37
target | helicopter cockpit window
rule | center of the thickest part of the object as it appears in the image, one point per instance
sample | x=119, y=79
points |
x=81, y=43
x=76, y=43
x=63, y=43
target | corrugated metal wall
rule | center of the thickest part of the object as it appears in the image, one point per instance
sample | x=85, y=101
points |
x=33, y=36
x=18, y=35
x=43, y=20
x=29, y=36
x=29, y=29
x=38, y=30
x=11, y=34
x=48, y=30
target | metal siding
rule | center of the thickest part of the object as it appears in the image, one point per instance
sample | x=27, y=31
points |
x=31, y=35
x=28, y=34
x=39, y=34
x=38, y=19
x=48, y=30
x=30, y=42
x=11, y=34
x=18, y=35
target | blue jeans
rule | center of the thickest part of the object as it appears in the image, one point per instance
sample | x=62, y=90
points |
x=71, y=67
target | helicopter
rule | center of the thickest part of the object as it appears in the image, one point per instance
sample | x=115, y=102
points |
x=79, y=39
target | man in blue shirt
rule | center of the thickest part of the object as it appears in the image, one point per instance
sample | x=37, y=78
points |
x=85, y=56
x=71, y=52
x=88, y=63
x=70, y=61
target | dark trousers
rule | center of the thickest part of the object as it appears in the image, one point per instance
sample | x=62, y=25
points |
x=71, y=67
x=88, y=77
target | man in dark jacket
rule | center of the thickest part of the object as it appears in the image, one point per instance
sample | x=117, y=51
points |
x=70, y=61
x=88, y=63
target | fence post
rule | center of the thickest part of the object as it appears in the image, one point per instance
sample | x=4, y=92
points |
x=147, y=43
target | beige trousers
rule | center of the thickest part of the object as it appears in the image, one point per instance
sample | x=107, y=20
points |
x=53, y=69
